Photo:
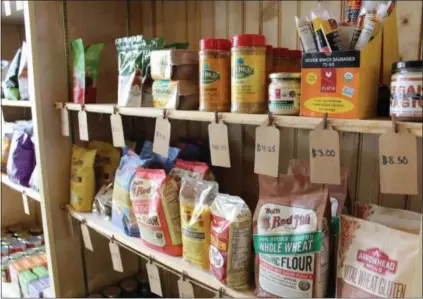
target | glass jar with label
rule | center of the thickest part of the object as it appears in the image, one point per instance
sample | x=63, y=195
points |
x=406, y=90
x=285, y=93
x=248, y=73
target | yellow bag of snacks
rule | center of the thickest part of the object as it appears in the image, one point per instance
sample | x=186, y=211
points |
x=82, y=181
x=106, y=162
x=196, y=197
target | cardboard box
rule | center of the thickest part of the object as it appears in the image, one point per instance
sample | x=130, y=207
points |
x=25, y=277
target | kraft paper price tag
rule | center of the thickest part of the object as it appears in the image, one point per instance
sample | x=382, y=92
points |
x=117, y=130
x=25, y=203
x=325, y=162
x=186, y=289
x=83, y=125
x=154, y=279
x=398, y=162
x=70, y=224
x=219, y=145
x=162, y=137
x=116, y=259
x=86, y=237
x=266, y=158
x=65, y=121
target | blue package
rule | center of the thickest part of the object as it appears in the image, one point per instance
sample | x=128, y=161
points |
x=150, y=159
x=37, y=287
x=122, y=213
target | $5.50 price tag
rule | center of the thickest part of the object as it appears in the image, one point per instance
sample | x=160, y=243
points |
x=154, y=279
x=325, y=162
x=266, y=158
x=116, y=258
x=162, y=137
x=398, y=162
x=219, y=145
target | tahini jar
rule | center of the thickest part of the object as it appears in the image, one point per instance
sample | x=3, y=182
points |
x=285, y=93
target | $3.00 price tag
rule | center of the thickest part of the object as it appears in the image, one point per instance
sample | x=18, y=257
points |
x=64, y=117
x=185, y=289
x=398, y=162
x=154, y=279
x=266, y=158
x=219, y=145
x=116, y=259
x=325, y=162
x=83, y=125
x=117, y=130
x=162, y=137
x=86, y=237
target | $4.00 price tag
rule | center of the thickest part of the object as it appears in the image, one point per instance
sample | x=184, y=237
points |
x=398, y=162
x=219, y=145
x=64, y=117
x=116, y=259
x=154, y=279
x=266, y=158
x=83, y=125
x=25, y=203
x=86, y=237
x=325, y=162
x=185, y=289
x=162, y=137
x=117, y=130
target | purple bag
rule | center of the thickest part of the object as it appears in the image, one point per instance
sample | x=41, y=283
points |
x=21, y=162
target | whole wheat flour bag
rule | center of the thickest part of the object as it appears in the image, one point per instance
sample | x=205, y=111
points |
x=375, y=260
x=291, y=238
x=196, y=197
x=106, y=162
x=407, y=221
x=82, y=181
x=231, y=234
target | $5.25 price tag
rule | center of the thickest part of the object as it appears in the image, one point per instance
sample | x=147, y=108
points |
x=398, y=162
x=266, y=158
x=325, y=162
x=162, y=137
x=219, y=145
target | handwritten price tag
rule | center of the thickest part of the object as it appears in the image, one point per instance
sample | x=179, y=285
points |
x=83, y=125
x=115, y=255
x=325, y=162
x=162, y=137
x=86, y=237
x=266, y=158
x=117, y=130
x=64, y=117
x=25, y=203
x=185, y=289
x=154, y=279
x=398, y=162
x=219, y=145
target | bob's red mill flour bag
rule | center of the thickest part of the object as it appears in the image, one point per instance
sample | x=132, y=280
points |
x=375, y=260
x=291, y=237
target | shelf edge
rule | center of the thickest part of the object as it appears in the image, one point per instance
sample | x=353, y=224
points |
x=21, y=189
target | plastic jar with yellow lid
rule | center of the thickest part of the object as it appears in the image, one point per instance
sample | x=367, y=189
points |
x=285, y=93
x=248, y=71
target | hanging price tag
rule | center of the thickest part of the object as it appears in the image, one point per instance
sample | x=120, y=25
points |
x=70, y=224
x=325, y=162
x=266, y=158
x=25, y=203
x=398, y=162
x=186, y=289
x=154, y=279
x=162, y=137
x=65, y=121
x=117, y=130
x=86, y=237
x=219, y=145
x=83, y=125
x=116, y=259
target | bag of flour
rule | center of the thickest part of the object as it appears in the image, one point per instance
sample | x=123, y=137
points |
x=291, y=237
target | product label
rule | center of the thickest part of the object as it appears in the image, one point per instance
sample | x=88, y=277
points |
x=406, y=96
x=285, y=98
x=248, y=77
x=165, y=94
x=286, y=242
x=161, y=69
x=214, y=82
x=170, y=203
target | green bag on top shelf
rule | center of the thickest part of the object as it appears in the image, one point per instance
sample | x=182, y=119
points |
x=11, y=83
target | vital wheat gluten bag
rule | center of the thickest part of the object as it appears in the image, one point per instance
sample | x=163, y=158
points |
x=407, y=221
x=291, y=238
x=231, y=234
x=82, y=181
x=375, y=260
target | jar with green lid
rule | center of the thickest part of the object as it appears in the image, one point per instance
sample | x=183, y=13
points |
x=248, y=73
x=285, y=93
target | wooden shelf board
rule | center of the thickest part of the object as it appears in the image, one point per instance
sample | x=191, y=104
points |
x=12, y=103
x=106, y=228
x=28, y=191
x=299, y=122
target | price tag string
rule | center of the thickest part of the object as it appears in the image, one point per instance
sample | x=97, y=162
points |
x=151, y=259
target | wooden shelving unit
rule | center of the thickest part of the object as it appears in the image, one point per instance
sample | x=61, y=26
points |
x=21, y=189
x=11, y=103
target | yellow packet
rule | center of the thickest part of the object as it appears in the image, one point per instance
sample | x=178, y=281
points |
x=106, y=162
x=82, y=180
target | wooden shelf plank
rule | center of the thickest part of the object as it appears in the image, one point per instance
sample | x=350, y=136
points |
x=12, y=103
x=28, y=191
x=106, y=228
x=346, y=125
